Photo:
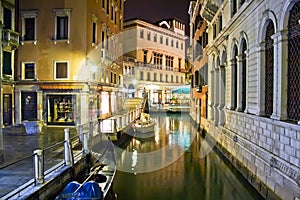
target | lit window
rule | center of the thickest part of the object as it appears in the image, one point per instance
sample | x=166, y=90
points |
x=28, y=71
x=94, y=36
x=148, y=36
x=61, y=70
x=142, y=34
x=62, y=24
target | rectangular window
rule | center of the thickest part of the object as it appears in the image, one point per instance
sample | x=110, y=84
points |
x=172, y=79
x=94, y=33
x=155, y=38
x=6, y=63
x=177, y=44
x=102, y=39
x=166, y=77
x=141, y=75
x=148, y=76
x=161, y=39
x=29, y=29
x=141, y=33
x=155, y=79
x=62, y=27
x=107, y=6
x=167, y=41
x=149, y=36
x=7, y=15
x=28, y=71
x=112, y=13
x=160, y=77
x=103, y=4
x=61, y=70
x=172, y=43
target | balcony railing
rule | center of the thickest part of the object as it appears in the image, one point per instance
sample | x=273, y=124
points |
x=10, y=38
x=109, y=57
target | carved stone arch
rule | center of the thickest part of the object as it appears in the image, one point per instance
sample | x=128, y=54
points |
x=218, y=61
x=234, y=49
x=283, y=21
x=268, y=17
x=104, y=27
x=243, y=37
x=223, y=55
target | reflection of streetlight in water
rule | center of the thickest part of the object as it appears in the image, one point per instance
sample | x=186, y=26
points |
x=134, y=159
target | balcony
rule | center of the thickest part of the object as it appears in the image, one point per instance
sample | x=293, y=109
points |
x=10, y=39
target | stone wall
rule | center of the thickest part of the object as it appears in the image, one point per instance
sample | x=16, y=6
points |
x=265, y=151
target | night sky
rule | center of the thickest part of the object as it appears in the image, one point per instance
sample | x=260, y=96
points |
x=155, y=10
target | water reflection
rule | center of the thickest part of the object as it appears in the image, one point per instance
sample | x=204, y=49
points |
x=187, y=177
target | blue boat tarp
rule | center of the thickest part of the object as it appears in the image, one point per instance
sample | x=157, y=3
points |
x=89, y=190
x=182, y=90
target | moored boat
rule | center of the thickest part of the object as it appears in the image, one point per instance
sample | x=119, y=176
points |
x=145, y=124
x=98, y=181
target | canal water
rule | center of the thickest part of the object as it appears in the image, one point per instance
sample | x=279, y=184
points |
x=176, y=163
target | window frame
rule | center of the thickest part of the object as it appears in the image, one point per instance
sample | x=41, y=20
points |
x=68, y=70
x=23, y=75
x=66, y=12
x=25, y=15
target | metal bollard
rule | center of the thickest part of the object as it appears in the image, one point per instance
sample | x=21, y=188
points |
x=85, y=144
x=39, y=166
x=67, y=147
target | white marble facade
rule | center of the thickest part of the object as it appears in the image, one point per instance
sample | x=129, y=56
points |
x=265, y=140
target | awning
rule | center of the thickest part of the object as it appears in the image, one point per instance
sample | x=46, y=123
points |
x=182, y=90
x=60, y=87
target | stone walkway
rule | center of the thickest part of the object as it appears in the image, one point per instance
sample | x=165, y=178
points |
x=19, y=145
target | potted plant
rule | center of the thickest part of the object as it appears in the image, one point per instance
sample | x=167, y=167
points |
x=33, y=126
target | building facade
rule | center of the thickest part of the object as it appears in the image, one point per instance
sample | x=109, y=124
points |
x=253, y=84
x=69, y=68
x=10, y=42
x=198, y=43
x=155, y=58
x=9, y=38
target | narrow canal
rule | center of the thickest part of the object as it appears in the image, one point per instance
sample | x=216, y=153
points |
x=172, y=165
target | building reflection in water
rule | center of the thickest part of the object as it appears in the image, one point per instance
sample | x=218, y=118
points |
x=188, y=176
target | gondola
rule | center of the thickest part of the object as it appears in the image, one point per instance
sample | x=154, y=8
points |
x=98, y=181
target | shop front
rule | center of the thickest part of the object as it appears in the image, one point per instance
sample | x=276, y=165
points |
x=61, y=109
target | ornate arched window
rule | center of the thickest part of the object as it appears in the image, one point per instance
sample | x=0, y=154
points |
x=244, y=74
x=269, y=69
x=234, y=68
x=293, y=85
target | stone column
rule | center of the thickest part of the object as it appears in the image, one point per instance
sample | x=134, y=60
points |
x=211, y=96
x=239, y=83
x=222, y=89
x=17, y=107
x=280, y=75
x=231, y=95
x=40, y=105
x=84, y=105
x=261, y=79
x=216, y=95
